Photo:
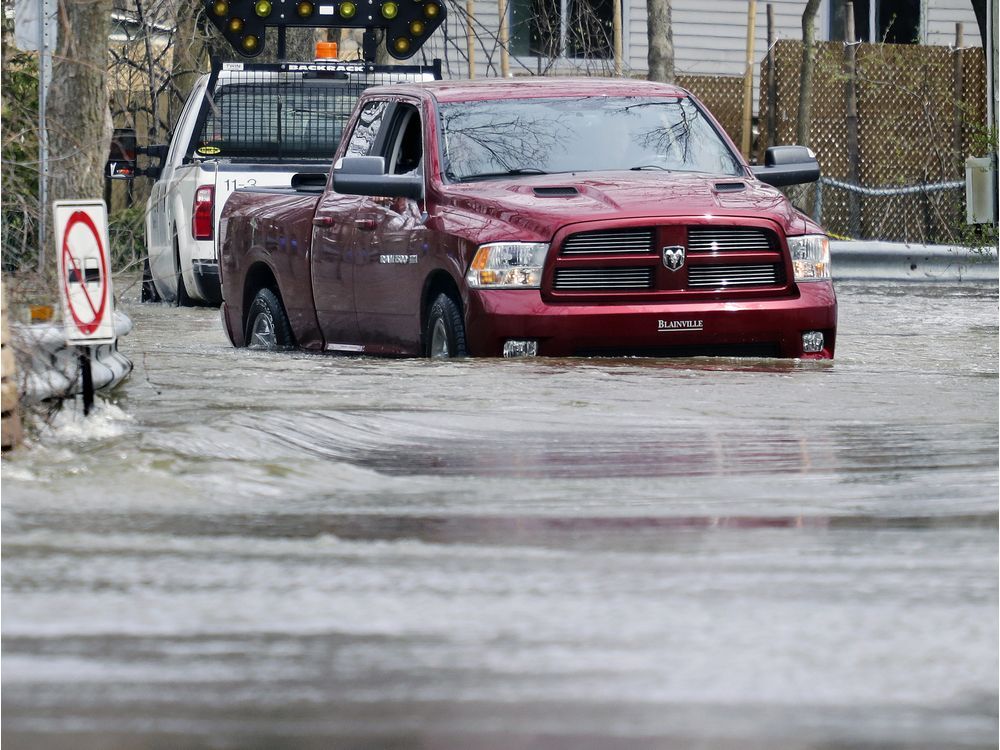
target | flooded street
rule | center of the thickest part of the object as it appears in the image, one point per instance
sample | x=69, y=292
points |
x=252, y=550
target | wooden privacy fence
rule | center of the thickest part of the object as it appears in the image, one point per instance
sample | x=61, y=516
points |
x=920, y=112
x=723, y=95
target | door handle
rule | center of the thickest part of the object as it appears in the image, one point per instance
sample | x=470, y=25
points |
x=366, y=224
x=322, y=221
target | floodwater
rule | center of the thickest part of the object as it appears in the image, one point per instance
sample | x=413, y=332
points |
x=253, y=550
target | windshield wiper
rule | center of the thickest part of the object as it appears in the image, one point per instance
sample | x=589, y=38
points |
x=649, y=166
x=508, y=173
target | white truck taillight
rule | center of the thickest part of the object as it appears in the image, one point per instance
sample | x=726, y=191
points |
x=203, y=213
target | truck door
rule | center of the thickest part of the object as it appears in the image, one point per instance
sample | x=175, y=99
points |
x=333, y=229
x=161, y=224
x=389, y=245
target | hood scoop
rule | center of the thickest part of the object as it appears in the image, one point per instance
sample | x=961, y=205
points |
x=556, y=192
x=730, y=187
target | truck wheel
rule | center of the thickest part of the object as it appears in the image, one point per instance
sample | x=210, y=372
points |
x=149, y=293
x=445, y=335
x=183, y=300
x=267, y=323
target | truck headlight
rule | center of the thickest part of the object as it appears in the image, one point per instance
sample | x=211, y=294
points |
x=508, y=265
x=810, y=257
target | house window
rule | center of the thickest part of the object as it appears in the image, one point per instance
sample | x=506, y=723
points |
x=562, y=28
x=890, y=21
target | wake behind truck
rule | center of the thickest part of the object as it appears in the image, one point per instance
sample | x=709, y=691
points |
x=243, y=125
x=552, y=217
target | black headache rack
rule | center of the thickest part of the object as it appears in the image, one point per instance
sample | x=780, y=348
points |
x=286, y=111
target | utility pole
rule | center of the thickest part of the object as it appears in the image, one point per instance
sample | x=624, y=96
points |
x=45, y=12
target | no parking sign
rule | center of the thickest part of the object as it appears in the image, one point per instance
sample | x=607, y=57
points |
x=84, y=267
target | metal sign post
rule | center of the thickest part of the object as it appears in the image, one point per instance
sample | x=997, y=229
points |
x=35, y=28
x=84, y=271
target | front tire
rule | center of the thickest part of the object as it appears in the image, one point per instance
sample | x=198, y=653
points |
x=267, y=323
x=445, y=334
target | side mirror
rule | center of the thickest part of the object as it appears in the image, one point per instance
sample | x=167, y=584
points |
x=121, y=164
x=787, y=165
x=365, y=175
x=158, y=152
x=121, y=157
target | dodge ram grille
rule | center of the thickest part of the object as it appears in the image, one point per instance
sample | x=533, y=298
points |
x=720, y=261
x=727, y=276
x=610, y=242
x=727, y=240
x=596, y=279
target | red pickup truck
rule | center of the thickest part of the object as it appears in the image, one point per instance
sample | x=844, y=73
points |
x=550, y=217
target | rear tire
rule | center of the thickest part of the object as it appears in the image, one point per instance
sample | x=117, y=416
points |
x=445, y=334
x=267, y=323
x=149, y=293
x=183, y=300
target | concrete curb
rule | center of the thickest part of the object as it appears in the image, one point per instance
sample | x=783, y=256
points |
x=893, y=261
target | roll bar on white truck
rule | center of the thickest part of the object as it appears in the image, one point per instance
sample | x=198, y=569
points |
x=243, y=125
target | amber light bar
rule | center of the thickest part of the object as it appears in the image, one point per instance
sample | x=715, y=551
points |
x=407, y=23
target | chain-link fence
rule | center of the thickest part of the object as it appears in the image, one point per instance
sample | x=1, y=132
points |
x=920, y=113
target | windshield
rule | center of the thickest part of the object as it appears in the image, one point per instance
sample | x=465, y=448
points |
x=583, y=134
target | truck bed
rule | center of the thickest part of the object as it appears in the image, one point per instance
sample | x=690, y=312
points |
x=266, y=232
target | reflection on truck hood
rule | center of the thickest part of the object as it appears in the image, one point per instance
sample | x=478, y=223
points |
x=538, y=204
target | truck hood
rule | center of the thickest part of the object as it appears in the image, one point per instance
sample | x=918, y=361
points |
x=534, y=207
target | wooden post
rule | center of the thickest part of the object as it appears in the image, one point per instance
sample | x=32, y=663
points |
x=772, y=80
x=748, y=77
x=470, y=36
x=853, y=152
x=504, y=41
x=617, y=35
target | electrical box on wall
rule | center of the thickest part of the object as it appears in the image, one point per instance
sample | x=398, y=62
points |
x=980, y=190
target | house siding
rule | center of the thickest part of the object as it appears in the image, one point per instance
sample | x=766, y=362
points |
x=709, y=38
x=942, y=15
x=712, y=40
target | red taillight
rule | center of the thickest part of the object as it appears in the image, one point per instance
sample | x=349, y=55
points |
x=203, y=213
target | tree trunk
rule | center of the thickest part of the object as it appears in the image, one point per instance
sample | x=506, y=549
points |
x=77, y=113
x=806, y=79
x=660, y=57
x=190, y=53
x=300, y=44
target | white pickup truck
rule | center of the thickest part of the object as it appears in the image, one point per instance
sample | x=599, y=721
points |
x=244, y=125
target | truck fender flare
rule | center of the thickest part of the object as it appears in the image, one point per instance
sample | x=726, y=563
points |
x=259, y=276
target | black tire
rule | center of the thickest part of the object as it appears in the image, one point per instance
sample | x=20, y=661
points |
x=445, y=334
x=149, y=293
x=267, y=323
x=183, y=300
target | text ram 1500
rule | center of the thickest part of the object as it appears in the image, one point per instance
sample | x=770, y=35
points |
x=543, y=217
x=243, y=125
